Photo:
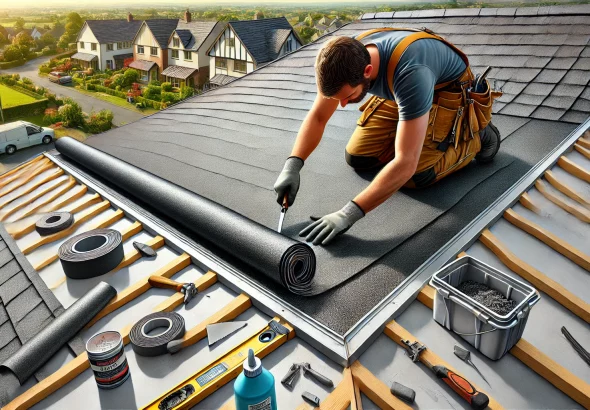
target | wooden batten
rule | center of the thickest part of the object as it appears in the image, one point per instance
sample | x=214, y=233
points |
x=583, y=142
x=538, y=279
x=33, y=187
x=375, y=389
x=20, y=167
x=204, y=282
x=134, y=255
x=548, y=238
x=583, y=149
x=574, y=169
x=24, y=172
x=26, y=180
x=526, y=201
x=565, y=188
x=580, y=212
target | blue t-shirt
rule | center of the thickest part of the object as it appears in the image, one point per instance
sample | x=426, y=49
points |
x=424, y=64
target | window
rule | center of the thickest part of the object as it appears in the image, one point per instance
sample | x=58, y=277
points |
x=174, y=81
x=175, y=42
x=139, y=49
x=221, y=63
x=110, y=47
x=93, y=46
x=119, y=46
x=175, y=54
x=240, y=66
x=154, y=51
x=32, y=130
x=289, y=46
x=188, y=55
x=81, y=44
x=110, y=65
x=124, y=44
x=231, y=42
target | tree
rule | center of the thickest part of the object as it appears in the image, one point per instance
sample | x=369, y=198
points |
x=75, y=18
x=3, y=31
x=12, y=53
x=19, y=24
x=47, y=39
x=3, y=39
x=73, y=26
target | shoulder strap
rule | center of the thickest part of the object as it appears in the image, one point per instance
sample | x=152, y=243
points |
x=405, y=43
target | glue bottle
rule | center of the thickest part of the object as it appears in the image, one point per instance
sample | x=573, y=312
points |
x=254, y=389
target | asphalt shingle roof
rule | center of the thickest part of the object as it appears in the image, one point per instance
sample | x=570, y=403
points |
x=162, y=29
x=193, y=34
x=111, y=31
x=262, y=37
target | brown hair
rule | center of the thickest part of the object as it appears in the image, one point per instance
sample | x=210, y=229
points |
x=341, y=60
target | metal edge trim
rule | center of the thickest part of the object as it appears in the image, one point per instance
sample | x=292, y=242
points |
x=361, y=335
x=308, y=329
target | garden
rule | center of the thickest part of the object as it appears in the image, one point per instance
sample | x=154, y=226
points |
x=23, y=100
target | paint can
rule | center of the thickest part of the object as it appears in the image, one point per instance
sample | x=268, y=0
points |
x=106, y=354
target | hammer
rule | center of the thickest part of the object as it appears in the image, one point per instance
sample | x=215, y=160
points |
x=189, y=289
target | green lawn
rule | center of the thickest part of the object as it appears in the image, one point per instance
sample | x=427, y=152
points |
x=117, y=101
x=11, y=98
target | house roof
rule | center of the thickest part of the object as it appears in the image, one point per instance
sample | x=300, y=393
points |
x=177, y=71
x=84, y=56
x=111, y=31
x=162, y=29
x=261, y=37
x=143, y=65
x=221, y=79
x=194, y=34
x=263, y=112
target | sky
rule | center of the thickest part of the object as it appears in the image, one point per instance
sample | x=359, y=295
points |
x=95, y=3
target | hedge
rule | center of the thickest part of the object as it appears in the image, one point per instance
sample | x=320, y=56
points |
x=25, y=110
x=11, y=64
x=110, y=91
x=26, y=92
x=149, y=103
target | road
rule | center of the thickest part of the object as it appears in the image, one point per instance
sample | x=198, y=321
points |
x=88, y=103
x=7, y=162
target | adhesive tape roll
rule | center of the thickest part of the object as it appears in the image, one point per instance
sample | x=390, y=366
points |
x=145, y=345
x=91, y=253
x=54, y=222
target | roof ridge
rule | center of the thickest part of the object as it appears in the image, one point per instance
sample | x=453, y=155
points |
x=529, y=11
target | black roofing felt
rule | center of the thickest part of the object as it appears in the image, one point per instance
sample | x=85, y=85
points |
x=162, y=29
x=111, y=31
x=263, y=38
x=26, y=304
x=229, y=144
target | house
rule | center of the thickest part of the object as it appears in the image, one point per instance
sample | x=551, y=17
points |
x=36, y=32
x=105, y=44
x=188, y=62
x=248, y=44
x=150, y=48
x=325, y=21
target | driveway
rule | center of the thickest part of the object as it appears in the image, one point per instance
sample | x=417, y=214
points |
x=7, y=162
x=88, y=103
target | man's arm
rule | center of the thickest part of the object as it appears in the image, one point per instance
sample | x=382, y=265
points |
x=408, y=146
x=312, y=128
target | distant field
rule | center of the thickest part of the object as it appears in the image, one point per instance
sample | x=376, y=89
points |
x=11, y=98
x=27, y=25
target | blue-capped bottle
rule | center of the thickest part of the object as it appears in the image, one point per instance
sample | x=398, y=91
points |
x=254, y=389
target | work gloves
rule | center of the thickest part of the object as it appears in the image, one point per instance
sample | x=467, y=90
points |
x=288, y=180
x=328, y=227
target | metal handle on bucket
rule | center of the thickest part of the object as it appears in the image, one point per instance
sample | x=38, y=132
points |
x=480, y=316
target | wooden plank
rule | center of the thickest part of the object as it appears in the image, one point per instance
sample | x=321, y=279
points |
x=140, y=287
x=126, y=233
x=548, y=238
x=426, y=296
x=574, y=169
x=526, y=201
x=579, y=212
x=583, y=143
x=177, y=299
x=396, y=332
x=21, y=166
x=229, y=312
x=75, y=367
x=24, y=172
x=375, y=389
x=33, y=187
x=18, y=231
x=131, y=257
x=565, y=188
x=27, y=179
x=357, y=400
x=38, y=195
x=538, y=279
x=555, y=374
x=342, y=396
x=584, y=150
x=70, y=184
x=85, y=216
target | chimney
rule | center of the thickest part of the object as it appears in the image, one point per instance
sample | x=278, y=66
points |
x=187, y=16
x=129, y=18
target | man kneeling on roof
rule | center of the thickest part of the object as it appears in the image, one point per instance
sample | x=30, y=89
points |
x=427, y=118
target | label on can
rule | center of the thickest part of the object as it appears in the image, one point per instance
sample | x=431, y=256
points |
x=106, y=355
x=263, y=405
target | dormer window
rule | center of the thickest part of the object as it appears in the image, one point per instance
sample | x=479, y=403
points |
x=175, y=42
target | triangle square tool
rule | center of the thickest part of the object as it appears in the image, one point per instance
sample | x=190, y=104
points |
x=218, y=331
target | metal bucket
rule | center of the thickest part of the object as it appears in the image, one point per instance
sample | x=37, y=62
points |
x=106, y=354
x=490, y=333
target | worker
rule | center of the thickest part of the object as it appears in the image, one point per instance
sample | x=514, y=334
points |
x=423, y=122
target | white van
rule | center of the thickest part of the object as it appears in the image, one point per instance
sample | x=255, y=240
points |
x=22, y=134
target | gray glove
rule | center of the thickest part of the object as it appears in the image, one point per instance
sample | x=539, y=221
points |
x=288, y=180
x=328, y=227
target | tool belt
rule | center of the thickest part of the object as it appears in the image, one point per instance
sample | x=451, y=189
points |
x=456, y=117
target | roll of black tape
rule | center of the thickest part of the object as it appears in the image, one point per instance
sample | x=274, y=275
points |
x=54, y=222
x=91, y=253
x=277, y=257
x=145, y=345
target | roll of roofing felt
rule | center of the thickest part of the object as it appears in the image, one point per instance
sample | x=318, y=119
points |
x=280, y=258
x=145, y=344
x=91, y=253
x=37, y=351
x=54, y=222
